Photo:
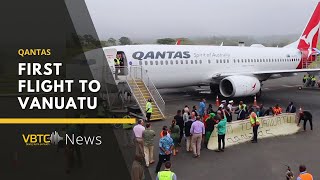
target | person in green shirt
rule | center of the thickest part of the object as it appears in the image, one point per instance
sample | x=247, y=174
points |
x=175, y=135
x=222, y=128
x=148, y=139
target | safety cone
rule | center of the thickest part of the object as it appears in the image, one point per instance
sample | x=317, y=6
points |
x=217, y=101
x=255, y=101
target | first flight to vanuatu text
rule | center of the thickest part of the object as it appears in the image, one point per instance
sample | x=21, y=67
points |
x=53, y=86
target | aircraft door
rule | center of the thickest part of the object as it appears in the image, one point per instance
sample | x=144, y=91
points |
x=111, y=55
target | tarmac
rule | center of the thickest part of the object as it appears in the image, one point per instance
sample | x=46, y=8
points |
x=265, y=160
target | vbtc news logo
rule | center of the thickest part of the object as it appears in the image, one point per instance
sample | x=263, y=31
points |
x=54, y=138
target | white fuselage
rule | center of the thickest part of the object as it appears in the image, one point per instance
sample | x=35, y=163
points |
x=197, y=65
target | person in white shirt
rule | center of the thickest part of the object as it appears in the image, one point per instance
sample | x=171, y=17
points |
x=223, y=104
x=230, y=106
x=138, y=131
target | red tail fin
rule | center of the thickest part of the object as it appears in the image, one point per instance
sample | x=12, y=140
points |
x=309, y=38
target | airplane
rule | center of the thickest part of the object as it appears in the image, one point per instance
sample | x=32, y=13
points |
x=232, y=71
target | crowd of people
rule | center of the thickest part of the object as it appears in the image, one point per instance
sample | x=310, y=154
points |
x=196, y=126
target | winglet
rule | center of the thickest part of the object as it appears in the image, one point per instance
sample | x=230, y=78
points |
x=317, y=51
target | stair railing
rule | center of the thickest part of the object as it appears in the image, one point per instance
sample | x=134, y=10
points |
x=137, y=72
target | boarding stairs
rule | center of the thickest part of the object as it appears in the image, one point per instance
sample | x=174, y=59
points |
x=142, y=89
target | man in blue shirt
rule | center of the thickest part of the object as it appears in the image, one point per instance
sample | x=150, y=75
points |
x=202, y=107
x=166, y=146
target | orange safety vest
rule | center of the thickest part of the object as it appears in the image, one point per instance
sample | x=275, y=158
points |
x=306, y=176
x=161, y=134
x=277, y=110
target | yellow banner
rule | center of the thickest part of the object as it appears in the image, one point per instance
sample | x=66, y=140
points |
x=270, y=126
x=67, y=120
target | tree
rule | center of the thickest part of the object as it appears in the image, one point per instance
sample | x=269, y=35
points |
x=166, y=41
x=112, y=42
x=104, y=43
x=125, y=41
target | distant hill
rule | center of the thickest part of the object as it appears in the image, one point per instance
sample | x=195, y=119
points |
x=269, y=41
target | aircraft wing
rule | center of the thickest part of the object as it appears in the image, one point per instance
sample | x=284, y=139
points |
x=219, y=75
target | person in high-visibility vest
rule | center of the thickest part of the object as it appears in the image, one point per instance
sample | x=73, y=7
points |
x=117, y=65
x=243, y=107
x=305, y=77
x=303, y=173
x=308, y=81
x=148, y=109
x=313, y=81
x=254, y=120
x=166, y=174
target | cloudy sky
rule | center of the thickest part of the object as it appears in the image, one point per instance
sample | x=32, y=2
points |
x=189, y=18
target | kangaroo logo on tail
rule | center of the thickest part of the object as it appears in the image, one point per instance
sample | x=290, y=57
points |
x=308, y=38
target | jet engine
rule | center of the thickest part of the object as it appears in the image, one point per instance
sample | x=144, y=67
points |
x=239, y=86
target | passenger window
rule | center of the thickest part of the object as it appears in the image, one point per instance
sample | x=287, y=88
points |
x=181, y=61
x=186, y=61
x=238, y=61
x=242, y=60
x=245, y=60
x=196, y=61
x=161, y=62
x=217, y=61
x=151, y=62
x=156, y=62
x=200, y=62
x=146, y=62
x=234, y=61
x=140, y=63
x=177, y=62
x=166, y=62
x=224, y=61
x=209, y=61
x=220, y=60
x=227, y=60
x=191, y=61
x=171, y=62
